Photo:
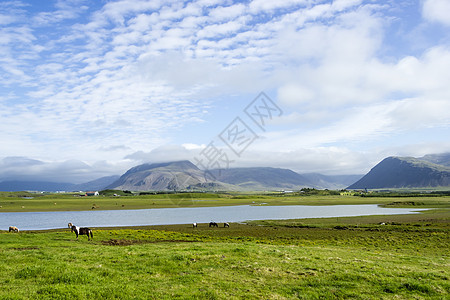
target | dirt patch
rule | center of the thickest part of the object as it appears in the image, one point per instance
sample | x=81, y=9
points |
x=114, y=242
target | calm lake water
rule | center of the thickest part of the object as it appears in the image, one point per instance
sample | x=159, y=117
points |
x=165, y=216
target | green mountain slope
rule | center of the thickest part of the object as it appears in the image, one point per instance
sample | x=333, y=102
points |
x=440, y=159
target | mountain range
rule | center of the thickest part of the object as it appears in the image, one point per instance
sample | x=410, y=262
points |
x=184, y=175
x=431, y=170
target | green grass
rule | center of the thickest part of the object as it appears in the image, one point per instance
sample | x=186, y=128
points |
x=14, y=202
x=331, y=258
x=334, y=258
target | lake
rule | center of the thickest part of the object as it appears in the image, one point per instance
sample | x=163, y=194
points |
x=166, y=216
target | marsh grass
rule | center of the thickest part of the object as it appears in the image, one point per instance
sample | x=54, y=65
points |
x=291, y=259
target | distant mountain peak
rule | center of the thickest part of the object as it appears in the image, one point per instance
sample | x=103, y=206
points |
x=183, y=164
x=174, y=175
x=404, y=172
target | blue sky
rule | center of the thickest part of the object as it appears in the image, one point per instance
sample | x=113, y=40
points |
x=90, y=88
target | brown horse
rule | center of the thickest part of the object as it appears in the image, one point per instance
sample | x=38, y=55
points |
x=13, y=229
x=82, y=231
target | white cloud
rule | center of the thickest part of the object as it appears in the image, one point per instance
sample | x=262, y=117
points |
x=138, y=74
x=73, y=171
x=419, y=112
x=325, y=160
x=340, y=5
x=217, y=30
x=329, y=160
x=165, y=153
x=257, y=6
x=292, y=95
x=5, y=19
x=117, y=11
x=227, y=12
x=65, y=10
x=437, y=11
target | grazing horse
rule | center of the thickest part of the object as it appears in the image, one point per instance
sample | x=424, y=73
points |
x=226, y=225
x=13, y=228
x=82, y=231
x=194, y=225
x=213, y=224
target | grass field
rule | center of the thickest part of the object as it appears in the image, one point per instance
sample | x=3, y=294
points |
x=21, y=202
x=334, y=258
x=327, y=258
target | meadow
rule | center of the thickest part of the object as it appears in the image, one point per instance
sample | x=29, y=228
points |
x=372, y=257
x=25, y=201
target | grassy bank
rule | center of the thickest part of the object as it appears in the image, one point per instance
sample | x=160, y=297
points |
x=21, y=202
x=407, y=258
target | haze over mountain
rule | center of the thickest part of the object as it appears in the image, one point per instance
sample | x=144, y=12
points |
x=94, y=185
x=408, y=172
x=439, y=159
x=331, y=182
x=182, y=175
x=262, y=178
x=160, y=176
x=17, y=185
x=431, y=170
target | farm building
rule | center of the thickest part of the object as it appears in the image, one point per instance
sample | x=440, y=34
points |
x=91, y=194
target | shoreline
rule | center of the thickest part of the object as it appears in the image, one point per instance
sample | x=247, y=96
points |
x=18, y=205
x=428, y=215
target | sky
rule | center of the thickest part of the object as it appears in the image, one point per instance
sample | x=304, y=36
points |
x=92, y=88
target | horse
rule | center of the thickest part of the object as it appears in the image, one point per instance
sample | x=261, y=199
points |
x=213, y=224
x=194, y=225
x=13, y=228
x=226, y=225
x=82, y=231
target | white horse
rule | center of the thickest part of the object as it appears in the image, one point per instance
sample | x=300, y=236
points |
x=194, y=225
x=82, y=231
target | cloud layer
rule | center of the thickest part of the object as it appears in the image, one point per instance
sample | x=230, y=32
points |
x=116, y=83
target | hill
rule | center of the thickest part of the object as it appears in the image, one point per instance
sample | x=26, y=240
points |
x=160, y=176
x=406, y=172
